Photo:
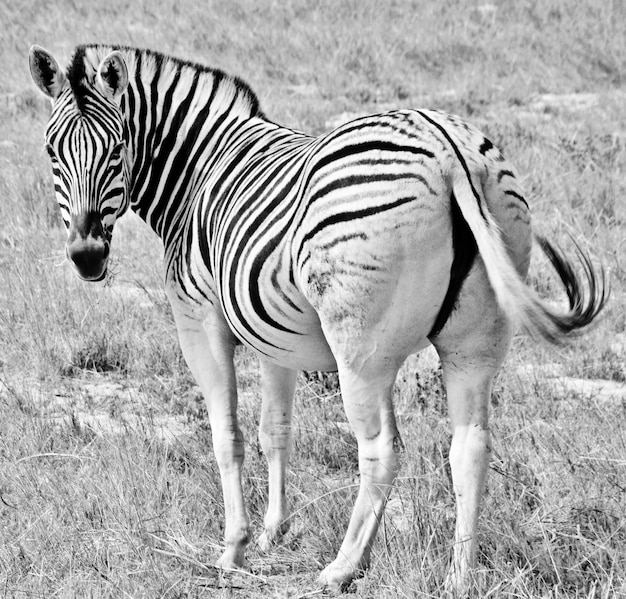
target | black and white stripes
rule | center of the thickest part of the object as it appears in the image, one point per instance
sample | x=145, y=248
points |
x=347, y=251
x=229, y=191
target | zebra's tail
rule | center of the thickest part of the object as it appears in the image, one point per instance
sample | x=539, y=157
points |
x=587, y=292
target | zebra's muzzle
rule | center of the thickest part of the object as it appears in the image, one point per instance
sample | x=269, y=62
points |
x=88, y=247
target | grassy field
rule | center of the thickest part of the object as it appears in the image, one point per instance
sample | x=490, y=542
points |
x=108, y=486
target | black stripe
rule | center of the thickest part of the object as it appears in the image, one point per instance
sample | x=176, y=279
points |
x=202, y=239
x=138, y=131
x=76, y=76
x=485, y=146
x=459, y=156
x=343, y=217
x=353, y=180
x=369, y=146
x=464, y=253
x=278, y=289
x=188, y=249
x=516, y=195
x=505, y=173
x=343, y=239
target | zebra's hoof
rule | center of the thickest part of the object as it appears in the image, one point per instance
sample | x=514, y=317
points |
x=336, y=579
x=457, y=586
x=231, y=560
x=273, y=535
x=265, y=543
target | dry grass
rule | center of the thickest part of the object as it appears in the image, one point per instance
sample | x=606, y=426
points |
x=108, y=487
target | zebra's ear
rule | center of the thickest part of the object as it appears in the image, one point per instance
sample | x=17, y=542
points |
x=45, y=72
x=112, y=77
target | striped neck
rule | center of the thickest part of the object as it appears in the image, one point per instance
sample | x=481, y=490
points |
x=175, y=112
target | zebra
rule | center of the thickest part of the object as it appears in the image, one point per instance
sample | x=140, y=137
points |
x=345, y=252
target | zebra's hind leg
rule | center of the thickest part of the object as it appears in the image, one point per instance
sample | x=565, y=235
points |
x=366, y=393
x=472, y=347
x=277, y=390
x=468, y=394
x=208, y=347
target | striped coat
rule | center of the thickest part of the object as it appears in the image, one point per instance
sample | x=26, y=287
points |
x=346, y=252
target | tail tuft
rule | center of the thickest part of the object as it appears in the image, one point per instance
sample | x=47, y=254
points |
x=587, y=293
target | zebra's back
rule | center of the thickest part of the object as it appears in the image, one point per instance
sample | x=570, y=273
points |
x=345, y=227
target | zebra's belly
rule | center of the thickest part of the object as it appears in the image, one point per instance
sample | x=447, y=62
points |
x=295, y=343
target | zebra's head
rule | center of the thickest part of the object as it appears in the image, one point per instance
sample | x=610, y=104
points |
x=87, y=142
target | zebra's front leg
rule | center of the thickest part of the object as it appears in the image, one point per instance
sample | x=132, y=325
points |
x=208, y=347
x=367, y=397
x=277, y=390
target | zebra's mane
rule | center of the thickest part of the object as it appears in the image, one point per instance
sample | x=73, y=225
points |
x=81, y=70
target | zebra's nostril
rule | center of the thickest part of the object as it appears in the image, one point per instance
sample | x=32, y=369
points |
x=89, y=257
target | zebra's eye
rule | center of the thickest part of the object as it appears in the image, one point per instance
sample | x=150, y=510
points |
x=117, y=151
x=50, y=151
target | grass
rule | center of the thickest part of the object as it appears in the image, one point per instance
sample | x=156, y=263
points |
x=108, y=486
